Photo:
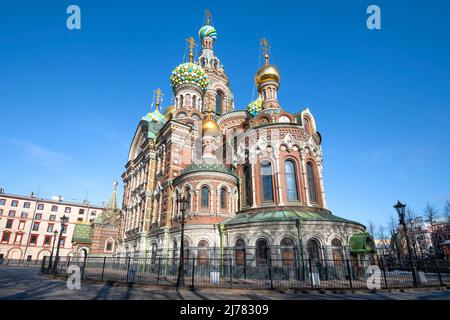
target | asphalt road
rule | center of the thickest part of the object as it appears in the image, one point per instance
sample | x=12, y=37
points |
x=26, y=284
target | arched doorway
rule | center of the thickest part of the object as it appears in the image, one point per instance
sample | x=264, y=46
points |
x=262, y=252
x=313, y=249
x=202, y=252
x=287, y=248
x=336, y=251
x=239, y=252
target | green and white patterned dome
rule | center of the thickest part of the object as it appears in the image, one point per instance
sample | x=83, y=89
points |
x=254, y=107
x=189, y=73
x=207, y=31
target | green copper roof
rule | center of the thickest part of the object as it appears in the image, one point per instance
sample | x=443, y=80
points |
x=361, y=243
x=82, y=233
x=303, y=214
x=214, y=167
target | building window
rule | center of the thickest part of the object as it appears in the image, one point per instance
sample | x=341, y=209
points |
x=40, y=206
x=239, y=252
x=11, y=213
x=5, y=236
x=203, y=252
x=80, y=219
x=205, y=197
x=267, y=184
x=219, y=102
x=50, y=227
x=91, y=220
x=14, y=203
x=93, y=213
x=313, y=249
x=38, y=216
x=47, y=240
x=54, y=208
x=1, y=212
x=26, y=204
x=52, y=217
x=248, y=185
x=262, y=252
x=291, y=180
x=62, y=241
x=223, y=198
x=306, y=124
x=2, y=202
x=18, y=238
x=67, y=210
x=21, y=225
x=188, y=199
x=33, y=239
x=9, y=224
x=81, y=211
x=287, y=252
x=311, y=183
x=109, y=245
x=36, y=226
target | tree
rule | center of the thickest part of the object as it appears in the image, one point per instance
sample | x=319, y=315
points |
x=431, y=215
x=394, y=236
x=411, y=227
x=447, y=210
x=371, y=228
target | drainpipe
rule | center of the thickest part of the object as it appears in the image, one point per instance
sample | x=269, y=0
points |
x=300, y=243
x=221, y=227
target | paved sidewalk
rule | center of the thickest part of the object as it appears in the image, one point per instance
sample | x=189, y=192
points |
x=19, y=284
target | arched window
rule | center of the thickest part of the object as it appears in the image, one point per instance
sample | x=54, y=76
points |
x=153, y=260
x=336, y=251
x=188, y=198
x=181, y=101
x=223, y=198
x=306, y=124
x=194, y=101
x=188, y=100
x=202, y=252
x=175, y=250
x=262, y=252
x=248, y=185
x=219, y=102
x=287, y=251
x=311, y=183
x=186, y=252
x=239, y=252
x=205, y=197
x=312, y=247
x=267, y=184
x=291, y=180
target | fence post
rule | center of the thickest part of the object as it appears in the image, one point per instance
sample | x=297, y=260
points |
x=310, y=273
x=84, y=266
x=193, y=272
x=43, y=264
x=159, y=271
x=384, y=273
x=231, y=273
x=439, y=273
x=270, y=270
x=349, y=273
x=128, y=269
x=103, y=268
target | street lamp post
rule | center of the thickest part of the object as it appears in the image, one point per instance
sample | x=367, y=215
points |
x=64, y=221
x=300, y=244
x=400, y=208
x=50, y=262
x=182, y=205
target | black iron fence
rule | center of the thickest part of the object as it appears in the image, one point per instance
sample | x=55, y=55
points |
x=20, y=263
x=267, y=274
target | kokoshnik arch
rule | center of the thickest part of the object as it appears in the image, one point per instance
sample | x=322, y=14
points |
x=252, y=177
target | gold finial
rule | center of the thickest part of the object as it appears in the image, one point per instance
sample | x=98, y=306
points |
x=192, y=45
x=208, y=16
x=158, y=97
x=266, y=48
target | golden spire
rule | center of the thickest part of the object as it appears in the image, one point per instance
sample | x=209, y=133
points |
x=192, y=45
x=208, y=16
x=266, y=48
x=158, y=97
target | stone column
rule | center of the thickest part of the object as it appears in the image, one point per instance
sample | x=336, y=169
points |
x=305, y=180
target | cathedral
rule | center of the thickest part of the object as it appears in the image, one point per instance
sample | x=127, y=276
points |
x=252, y=177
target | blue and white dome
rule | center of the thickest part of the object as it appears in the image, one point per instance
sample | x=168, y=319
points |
x=207, y=31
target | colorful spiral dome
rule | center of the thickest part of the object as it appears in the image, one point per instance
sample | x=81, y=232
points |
x=207, y=31
x=254, y=107
x=189, y=73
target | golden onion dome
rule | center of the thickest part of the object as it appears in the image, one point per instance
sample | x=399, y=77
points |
x=210, y=126
x=267, y=73
x=169, y=110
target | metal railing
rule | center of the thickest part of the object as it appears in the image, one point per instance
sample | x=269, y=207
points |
x=264, y=274
x=5, y=262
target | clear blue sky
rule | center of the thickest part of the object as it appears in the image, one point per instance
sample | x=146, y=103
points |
x=70, y=101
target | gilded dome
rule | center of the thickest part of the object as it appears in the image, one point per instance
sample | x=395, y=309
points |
x=189, y=73
x=207, y=31
x=210, y=126
x=267, y=73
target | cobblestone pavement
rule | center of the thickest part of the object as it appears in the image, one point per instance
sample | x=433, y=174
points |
x=19, y=283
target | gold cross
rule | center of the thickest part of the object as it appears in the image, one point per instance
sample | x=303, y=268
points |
x=266, y=48
x=208, y=16
x=192, y=44
x=158, y=97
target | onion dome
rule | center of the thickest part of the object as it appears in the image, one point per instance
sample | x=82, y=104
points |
x=189, y=73
x=254, y=107
x=170, y=109
x=207, y=31
x=155, y=116
x=209, y=126
x=267, y=73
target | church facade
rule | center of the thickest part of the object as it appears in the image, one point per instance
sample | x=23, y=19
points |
x=252, y=177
